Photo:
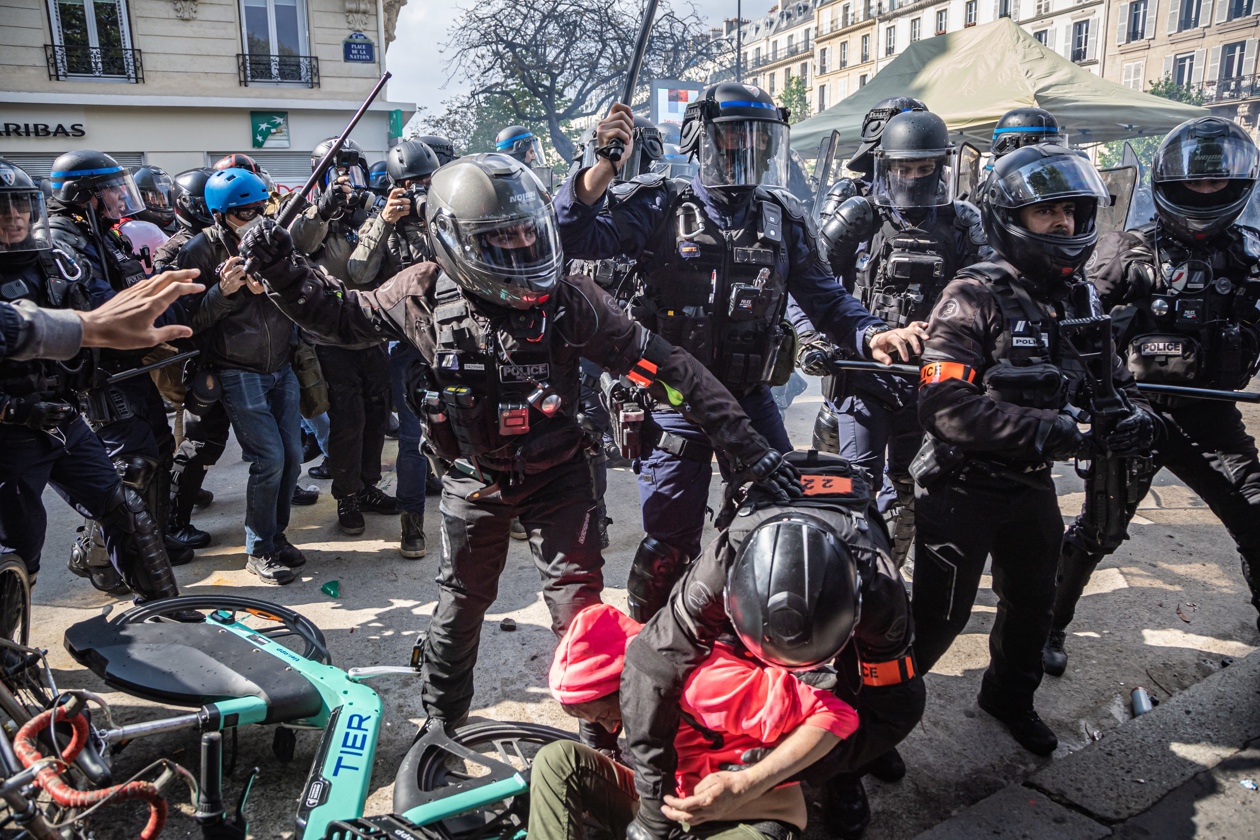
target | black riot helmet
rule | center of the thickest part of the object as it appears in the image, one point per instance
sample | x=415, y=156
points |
x=518, y=141
x=156, y=188
x=23, y=217
x=792, y=592
x=189, y=193
x=1047, y=173
x=81, y=176
x=913, y=163
x=1202, y=177
x=740, y=139
x=648, y=149
x=350, y=159
x=873, y=129
x=1025, y=127
x=410, y=160
x=378, y=178
x=441, y=146
x=495, y=231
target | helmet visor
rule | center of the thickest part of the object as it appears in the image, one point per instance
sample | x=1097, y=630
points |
x=1063, y=176
x=744, y=153
x=23, y=222
x=522, y=249
x=1207, y=158
x=156, y=193
x=913, y=180
x=118, y=197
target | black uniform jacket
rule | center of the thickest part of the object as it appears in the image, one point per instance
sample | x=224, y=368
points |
x=586, y=319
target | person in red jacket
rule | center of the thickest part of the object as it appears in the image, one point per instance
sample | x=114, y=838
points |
x=730, y=705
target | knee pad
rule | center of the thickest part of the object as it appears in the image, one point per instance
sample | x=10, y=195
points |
x=656, y=567
x=826, y=431
x=136, y=471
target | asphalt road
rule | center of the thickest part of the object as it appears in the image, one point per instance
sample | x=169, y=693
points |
x=1163, y=612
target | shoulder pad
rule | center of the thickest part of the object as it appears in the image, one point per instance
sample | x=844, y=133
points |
x=66, y=235
x=622, y=191
x=967, y=217
x=854, y=221
x=793, y=206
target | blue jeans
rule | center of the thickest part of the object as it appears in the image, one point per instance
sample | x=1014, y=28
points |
x=319, y=427
x=264, y=412
x=412, y=467
x=674, y=491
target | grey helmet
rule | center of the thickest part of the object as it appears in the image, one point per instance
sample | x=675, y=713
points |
x=494, y=230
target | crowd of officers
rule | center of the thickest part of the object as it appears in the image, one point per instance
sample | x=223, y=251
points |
x=525, y=335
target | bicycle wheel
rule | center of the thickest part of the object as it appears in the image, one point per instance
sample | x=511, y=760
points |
x=509, y=743
x=23, y=690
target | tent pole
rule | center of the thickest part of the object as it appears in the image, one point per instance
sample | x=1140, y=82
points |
x=739, y=41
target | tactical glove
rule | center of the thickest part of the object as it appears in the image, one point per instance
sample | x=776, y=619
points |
x=1133, y=435
x=266, y=244
x=775, y=476
x=35, y=413
x=814, y=357
x=333, y=201
x=1059, y=439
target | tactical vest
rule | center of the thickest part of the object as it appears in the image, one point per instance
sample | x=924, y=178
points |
x=44, y=281
x=1199, y=326
x=905, y=269
x=1032, y=369
x=500, y=397
x=720, y=295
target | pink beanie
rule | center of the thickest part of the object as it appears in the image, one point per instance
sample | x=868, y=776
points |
x=592, y=654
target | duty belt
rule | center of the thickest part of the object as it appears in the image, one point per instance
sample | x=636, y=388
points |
x=688, y=450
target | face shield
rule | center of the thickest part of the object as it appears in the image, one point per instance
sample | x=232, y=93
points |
x=516, y=257
x=913, y=180
x=118, y=197
x=744, y=153
x=1203, y=175
x=1059, y=178
x=22, y=215
x=157, y=193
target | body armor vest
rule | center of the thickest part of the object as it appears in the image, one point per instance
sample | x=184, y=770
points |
x=1032, y=368
x=43, y=282
x=718, y=294
x=500, y=396
x=905, y=269
x=1200, y=325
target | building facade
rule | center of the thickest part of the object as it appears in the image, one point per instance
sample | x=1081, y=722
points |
x=180, y=83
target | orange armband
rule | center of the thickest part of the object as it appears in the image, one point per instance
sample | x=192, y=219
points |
x=940, y=371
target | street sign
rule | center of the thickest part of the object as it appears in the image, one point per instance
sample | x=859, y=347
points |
x=358, y=48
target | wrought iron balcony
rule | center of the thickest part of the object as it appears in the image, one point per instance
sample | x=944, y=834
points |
x=278, y=69
x=69, y=62
x=1234, y=89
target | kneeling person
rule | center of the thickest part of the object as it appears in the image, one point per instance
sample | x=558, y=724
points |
x=731, y=704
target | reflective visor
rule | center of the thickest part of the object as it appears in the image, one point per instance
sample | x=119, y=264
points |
x=21, y=215
x=118, y=196
x=744, y=153
x=1046, y=179
x=1207, y=158
x=157, y=195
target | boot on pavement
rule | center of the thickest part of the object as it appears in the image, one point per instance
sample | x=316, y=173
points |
x=349, y=517
x=1024, y=724
x=412, y=545
x=846, y=813
x=1053, y=656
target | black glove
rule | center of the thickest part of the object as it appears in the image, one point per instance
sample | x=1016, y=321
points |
x=1133, y=435
x=639, y=829
x=1059, y=439
x=775, y=476
x=333, y=201
x=814, y=358
x=266, y=244
x=35, y=413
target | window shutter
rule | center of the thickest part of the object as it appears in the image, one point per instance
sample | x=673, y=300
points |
x=1091, y=42
x=1152, y=14
x=1050, y=38
x=1168, y=67
x=1122, y=26
x=1222, y=10
x=1196, y=73
x=1205, y=13
x=1214, y=64
x=997, y=9
x=1249, y=57
x=1067, y=41
x=1174, y=11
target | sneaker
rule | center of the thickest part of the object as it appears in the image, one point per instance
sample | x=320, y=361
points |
x=269, y=569
x=203, y=499
x=320, y=471
x=375, y=500
x=1053, y=656
x=305, y=495
x=518, y=530
x=349, y=517
x=846, y=812
x=889, y=767
x=287, y=553
x=1025, y=726
x=412, y=544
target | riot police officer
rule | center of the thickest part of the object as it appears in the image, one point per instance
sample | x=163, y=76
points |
x=91, y=193
x=43, y=437
x=896, y=248
x=521, y=143
x=1183, y=294
x=771, y=578
x=1021, y=127
x=718, y=257
x=501, y=330
x=157, y=192
x=378, y=178
x=997, y=377
x=873, y=125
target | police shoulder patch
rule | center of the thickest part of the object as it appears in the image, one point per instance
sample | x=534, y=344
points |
x=947, y=308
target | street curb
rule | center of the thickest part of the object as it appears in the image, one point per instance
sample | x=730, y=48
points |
x=1127, y=772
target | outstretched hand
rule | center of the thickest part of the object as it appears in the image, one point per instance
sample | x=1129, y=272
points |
x=125, y=321
x=906, y=342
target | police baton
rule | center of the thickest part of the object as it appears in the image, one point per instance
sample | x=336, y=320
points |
x=290, y=210
x=616, y=148
x=912, y=371
x=170, y=360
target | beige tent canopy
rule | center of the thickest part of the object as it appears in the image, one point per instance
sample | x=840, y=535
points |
x=972, y=77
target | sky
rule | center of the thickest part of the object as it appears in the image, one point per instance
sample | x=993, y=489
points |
x=420, y=68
